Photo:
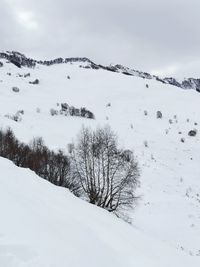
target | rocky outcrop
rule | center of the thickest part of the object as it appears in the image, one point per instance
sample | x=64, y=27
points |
x=20, y=60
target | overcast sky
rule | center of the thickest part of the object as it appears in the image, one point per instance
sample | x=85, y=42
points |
x=160, y=36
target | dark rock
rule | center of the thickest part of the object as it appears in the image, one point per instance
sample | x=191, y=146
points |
x=192, y=133
x=159, y=115
x=36, y=81
x=15, y=89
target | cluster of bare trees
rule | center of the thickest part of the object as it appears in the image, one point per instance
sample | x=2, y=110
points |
x=52, y=166
x=95, y=169
x=108, y=175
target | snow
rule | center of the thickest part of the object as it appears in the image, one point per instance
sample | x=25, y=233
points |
x=44, y=225
x=53, y=228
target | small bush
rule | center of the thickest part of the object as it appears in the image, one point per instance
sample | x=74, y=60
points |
x=53, y=112
x=145, y=113
x=36, y=81
x=146, y=144
x=192, y=132
x=15, y=89
x=72, y=111
x=16, y=117
x=159, y=115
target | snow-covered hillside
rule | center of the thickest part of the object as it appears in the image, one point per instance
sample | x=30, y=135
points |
x=167, y=218
x=44, y=225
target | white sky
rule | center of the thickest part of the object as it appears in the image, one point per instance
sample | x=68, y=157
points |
x=158, y=36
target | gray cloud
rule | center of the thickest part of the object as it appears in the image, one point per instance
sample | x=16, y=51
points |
x=152, y=35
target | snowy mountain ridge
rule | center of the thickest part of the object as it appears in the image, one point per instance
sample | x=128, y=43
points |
x=20, y=60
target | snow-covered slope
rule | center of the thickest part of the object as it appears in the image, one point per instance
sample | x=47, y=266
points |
x=169, y=209
x=43, y=225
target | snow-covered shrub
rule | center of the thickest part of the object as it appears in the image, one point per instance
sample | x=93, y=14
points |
x=36, y=81
x=192, y=132
x=27, y=75
x=64, y=107
x=145, y=113
x=72, y=111
x=146, y=143
x=131, y=126
x=1, y=64
x=68, y=77
x=53, y=112
x=166, y=131
x=159, y=114
x=21, y=111
x=86, y=113
x=38, y=110
x=16, y=117
x=15, y=89
x=183, y=140
x=170, y=121
x=195, y=123
x=108, y=105
x=188, y=120
x=147, y=86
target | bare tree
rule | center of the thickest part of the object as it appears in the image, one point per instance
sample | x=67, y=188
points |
x=50, y=165
x=108, y=175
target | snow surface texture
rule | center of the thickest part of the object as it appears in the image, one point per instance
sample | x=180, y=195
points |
x=43, y=225
x=46, y=226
